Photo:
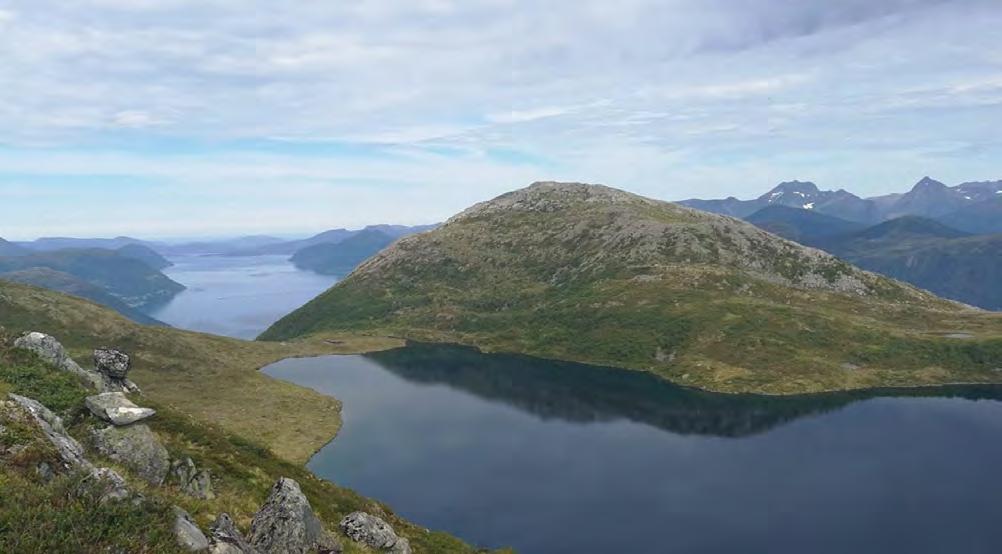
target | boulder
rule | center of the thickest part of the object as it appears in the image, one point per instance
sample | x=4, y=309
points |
x=373, y=532
x=225, y=538
x=189, y=537
x=135, y=447
x=116, y=409
x=286, y=524
x=191, y=480
x=106, y=483
x=49, y=350
x=69, y=450
x=113, y=363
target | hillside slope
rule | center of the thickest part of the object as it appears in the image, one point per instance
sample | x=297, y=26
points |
x=800, y=225
x=929, y=255
x=590, y=273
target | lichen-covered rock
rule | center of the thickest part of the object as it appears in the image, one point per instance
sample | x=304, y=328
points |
x=113, y=363
x=116, y=409
x=189, y=536
x=51, y=351
x=374, y=533
x=191, y=480
x=69, y=450
x=225, y=538
x=286, y=524
x=135, y=447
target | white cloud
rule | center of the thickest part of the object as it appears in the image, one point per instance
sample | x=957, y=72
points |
x=662, y=96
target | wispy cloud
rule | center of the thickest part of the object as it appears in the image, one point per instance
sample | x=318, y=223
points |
x=673, y=98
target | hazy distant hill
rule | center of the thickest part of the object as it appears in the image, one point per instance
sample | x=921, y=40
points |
x=332, y=236
x=146, y=255
x=590, y=273
x=69, y=284
x=221, y=246
x=800, y=225
x=47, y=244
x=342, y=257
x=927, y=198
x=981, y=218
x=930, y=255
x=11, y=249
x=133, y=282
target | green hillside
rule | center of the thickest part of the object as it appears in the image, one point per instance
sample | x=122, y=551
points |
x=589, y=273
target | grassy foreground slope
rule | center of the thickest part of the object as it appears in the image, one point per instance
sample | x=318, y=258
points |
x=590, y=273
x=211, y=378
x=39, y=515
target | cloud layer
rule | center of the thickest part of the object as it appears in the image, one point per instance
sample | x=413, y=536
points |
x=220, y=116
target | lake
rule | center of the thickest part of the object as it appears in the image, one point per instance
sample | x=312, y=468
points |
x=236, y=296
x=553, y=457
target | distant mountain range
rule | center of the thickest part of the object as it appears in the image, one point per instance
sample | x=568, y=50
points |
x=125, y=279
x=922, y=251
x=332, y=236
x=342, y=257
x=974, y=207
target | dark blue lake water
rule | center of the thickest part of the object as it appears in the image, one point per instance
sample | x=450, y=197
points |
x=552, y=457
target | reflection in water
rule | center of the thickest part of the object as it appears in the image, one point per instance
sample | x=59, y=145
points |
x=551, y=457
x=583, y=393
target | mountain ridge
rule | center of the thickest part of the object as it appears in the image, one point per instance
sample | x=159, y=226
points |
x=593, y=274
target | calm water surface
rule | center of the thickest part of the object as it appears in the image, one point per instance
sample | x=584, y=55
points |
x=551, y=457
x=236, y=296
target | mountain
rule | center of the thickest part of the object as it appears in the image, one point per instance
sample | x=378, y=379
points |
x=130, y=280
x=47, y=244
x=927, y=198
x=332, y=236
x=800, y=225
x=594, y=274
x=69, y=284
x=11, y=249
x=792, y=194
x=985, y=217
x=342, y=257
x=929, y=255
x=146, y=255
x=221, y=246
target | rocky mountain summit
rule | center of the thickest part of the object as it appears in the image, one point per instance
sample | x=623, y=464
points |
x=594, y=274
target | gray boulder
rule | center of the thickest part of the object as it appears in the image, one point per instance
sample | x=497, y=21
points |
x=116, y=409
x=286, y=524
x=49, y=350
x=113, y=363
x=69, y=450
x=106, y=483
x=189, y=537
x=225, y=538
x=135, y=447
x=191, y=480
x=373, y=532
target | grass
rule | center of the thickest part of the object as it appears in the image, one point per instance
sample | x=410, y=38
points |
x=698, y=299
x=214, y=379
x=53, y=517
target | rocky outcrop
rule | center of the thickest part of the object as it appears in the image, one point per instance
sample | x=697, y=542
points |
x=69, y=450
x=373, y=532
x=106, y=483
x=135, y=447
x=191, y=480
x=51, y=351
x=116, y=409
x=286, y=524
x=114, y=366
x=189, y=537
x=225, y=538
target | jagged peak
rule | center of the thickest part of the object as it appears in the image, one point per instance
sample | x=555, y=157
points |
x=928, y=183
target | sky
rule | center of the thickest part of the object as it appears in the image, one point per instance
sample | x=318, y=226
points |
x=172, y=118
